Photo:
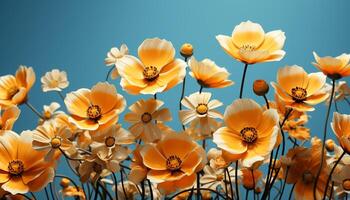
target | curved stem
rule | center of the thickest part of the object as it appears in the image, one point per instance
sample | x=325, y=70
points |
x=324, y=138
x=33, y=195
x=150, y=188
x=109, y=72
x=291, y=192
x=115, y=185
x=123, y=187
x=198, y=186
x=236, y=180
x=31, y=107
x=282, y=132
x=330, y=174
x=267, y=102
x=203, y=189
x=284, y=183
x=243, y=79
x=46, y=193
x=229, y=179
x=105, y=189
x=200, y=89
x=61, y=95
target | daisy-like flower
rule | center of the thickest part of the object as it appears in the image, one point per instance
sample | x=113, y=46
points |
x=14, y=89
x=8, y=117
x=213, y=178
x=341, y=91
x=156, y=71
x=249, y=43
x=114, y=57
x=94, y=109
x=143, y=115
x=54, y=80
x=250, y=132
x=341, y=128
x=51, y=139
x=342, y=179
x=22, y=169
x=173, y=162
x=208, y=74
x=50, y=112
x=216, y=161
x=300, y=90
x=333, y=67
x=201, y=112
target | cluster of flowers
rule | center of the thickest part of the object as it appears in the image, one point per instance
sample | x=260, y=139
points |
x=151, y=160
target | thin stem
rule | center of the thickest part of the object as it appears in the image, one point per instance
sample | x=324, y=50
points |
x=229, y=179
x=46, y=193
x=243, y=79
x=115, y=185
x=225, y=181
x=324, y=138
x=269, y=167
x=291, y=192
x=202, y=189
x=109, y=72
x=150, y=188
x=246, y=194
x=332, y=189
x=281, y=127
x=61, y=95
x=330, y=174
x=347, y=100
x=33, y=195
x=284, y=183
x=236, y=180
x=105, y=189
x=123, y=187
x=198, y=186
x=31, y=107
x=267, y=102
x=200, y=89
x=336, y=105
x=143, y=190
x=203, y=143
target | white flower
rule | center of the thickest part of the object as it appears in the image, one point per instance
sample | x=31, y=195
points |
x=54, y=80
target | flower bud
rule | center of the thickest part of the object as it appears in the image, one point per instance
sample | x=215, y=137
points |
x=65, y=182
x=260, y=87
x=330, y=145
x=186, y=50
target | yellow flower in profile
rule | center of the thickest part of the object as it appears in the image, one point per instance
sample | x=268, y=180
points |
x=113, y=58
x=156, y=71
x=300, y=90
x=208, y=74
x=341, y=128
x=22, y=169
x=250, y=132
x=173, y=162
x=143, y=115
x=8, y=117
x=14, y=89
x=54, y=80
x=249, y=43
x=94, y=109
x=333, y=67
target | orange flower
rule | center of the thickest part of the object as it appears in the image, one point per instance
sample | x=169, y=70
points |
x=333, y=67
x=173, y=162
x=14, y=89
x=156, y=71
x=250, y=178
x=296, y=128
x=94, y=109
x=249, y=43
x=300, y=90
x=250, y=133
x=341, y=128
x=208, y=74
x=22, y=169
x=9, y=117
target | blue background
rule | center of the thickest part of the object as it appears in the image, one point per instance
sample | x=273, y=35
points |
x=75, y=36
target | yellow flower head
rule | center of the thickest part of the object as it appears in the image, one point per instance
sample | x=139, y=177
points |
x=333, y=67
x=54, y=80
x=341, y=128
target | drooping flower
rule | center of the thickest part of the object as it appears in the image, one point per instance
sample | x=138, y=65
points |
x=8, y=117
x=333, y=67
x=250, y=132
x=143, y=115
x=54, y=80
x=201, y=112
x=94, y=109
x=22, y=169
x=249, y=43
x=156, y=71
x=300, y=90
x=341, y=128
x=208, y=74
x=114, y=57
x=14, y=89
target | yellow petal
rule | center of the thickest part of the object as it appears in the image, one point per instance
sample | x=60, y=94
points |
x=229, y=140
x=248, y=33
x=316, y=82
x=227, y=44
x=15, y=186
x=152, y=158
x=78, y=102
x=290, y=77
x=274, y=40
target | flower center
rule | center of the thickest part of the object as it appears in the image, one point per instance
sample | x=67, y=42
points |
x=346, y=184
x=202, y=109
x=54, y=83
x=56, y=142
x=299, y=94
x=220, y=177
x=308, y=177
x=150, y=73
x=146, y=117
x=249, y=134
x=173, y=163
x=16, y=167
x=110, y=141
x=94, y=112
x=247, y=47
x=13, y=91
x=47, y=114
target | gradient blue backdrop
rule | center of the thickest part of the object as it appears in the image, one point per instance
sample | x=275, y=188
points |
x=76, y=35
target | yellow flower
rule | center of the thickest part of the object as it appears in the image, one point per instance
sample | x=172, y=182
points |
x=54, y=80
x=300, y=90
x=8, y=117
x=341, y=128
x=50, y=112
x=113, y=58
x=250, y=133
x=201, y=112
x=173, y=162
x=333, y=67
x=208, y=74
x=14, y=89
x=156, y=71
x=94, y=109
x=22, y=169
x=249, y=43
x=143, y=115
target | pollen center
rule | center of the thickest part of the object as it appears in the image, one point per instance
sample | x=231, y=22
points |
x=110, y=141
x=346, y=184
x=173, y=163
x=94, y=112
x=56, y=142
x=150, y=73
x=247, y=47
x=308, y=177
x=47, y=114
x=202, y=109
x=249, y=134
x=299, y=94
x=16, y=167
x=146, y=117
